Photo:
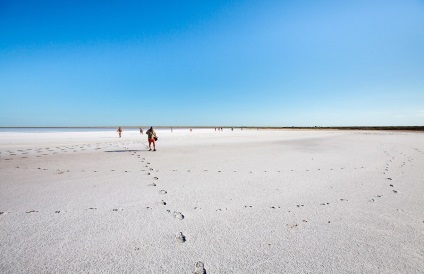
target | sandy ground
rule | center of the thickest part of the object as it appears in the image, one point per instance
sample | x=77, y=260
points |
x=238, y=202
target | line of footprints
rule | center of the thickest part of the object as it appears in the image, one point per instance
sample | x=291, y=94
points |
x=62, y=171
x=38, y=152
x=179, y=237
x=178, y=215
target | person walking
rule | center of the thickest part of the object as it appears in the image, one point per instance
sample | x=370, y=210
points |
x=151, y=137
x=119, y=131
x=141, y=131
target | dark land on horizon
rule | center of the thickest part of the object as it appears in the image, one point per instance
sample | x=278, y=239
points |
x=395, y=128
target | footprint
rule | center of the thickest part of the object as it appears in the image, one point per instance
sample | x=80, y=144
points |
x=199, y=268
x=32, y=211
x=93, y=208
x=292, y=225
x=163, y=191
x=344, y=200
x=58, y=211
x=180, y=237
x=152, y=184
x=178, y=215
x=395, y=191
x=156, y=178
x=162, y=202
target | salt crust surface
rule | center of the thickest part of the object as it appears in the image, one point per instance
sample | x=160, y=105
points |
x=247, y=201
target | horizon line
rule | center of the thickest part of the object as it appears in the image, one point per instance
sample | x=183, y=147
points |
x=228, y=127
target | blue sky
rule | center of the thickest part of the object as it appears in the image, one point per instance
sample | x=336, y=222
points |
x=207, y=63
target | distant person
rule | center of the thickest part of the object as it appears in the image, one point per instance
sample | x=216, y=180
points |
x=141, y=131
x=119, y=131
x=232, y=129
x=172, y=130
x=191, y=130
x=152, y=138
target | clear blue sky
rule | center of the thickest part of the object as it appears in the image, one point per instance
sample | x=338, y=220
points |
x=246, y=62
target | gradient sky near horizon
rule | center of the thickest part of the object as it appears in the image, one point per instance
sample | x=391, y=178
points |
x=206, y=63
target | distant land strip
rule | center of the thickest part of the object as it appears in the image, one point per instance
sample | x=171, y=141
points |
x=396, y=128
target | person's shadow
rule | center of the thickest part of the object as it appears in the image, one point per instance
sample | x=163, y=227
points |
x=129, y=150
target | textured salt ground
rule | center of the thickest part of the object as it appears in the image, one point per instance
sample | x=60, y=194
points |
x=252, y=202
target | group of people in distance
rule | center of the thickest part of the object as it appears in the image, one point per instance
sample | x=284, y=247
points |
x=151, y=137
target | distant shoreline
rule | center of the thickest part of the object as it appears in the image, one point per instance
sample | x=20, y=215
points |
x=385, y=128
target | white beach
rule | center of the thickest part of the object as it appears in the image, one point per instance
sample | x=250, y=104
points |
x=251, y=201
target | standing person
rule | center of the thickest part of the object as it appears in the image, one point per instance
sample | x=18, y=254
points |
x=119, y=131
x=151, y=137
x=141, y=131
